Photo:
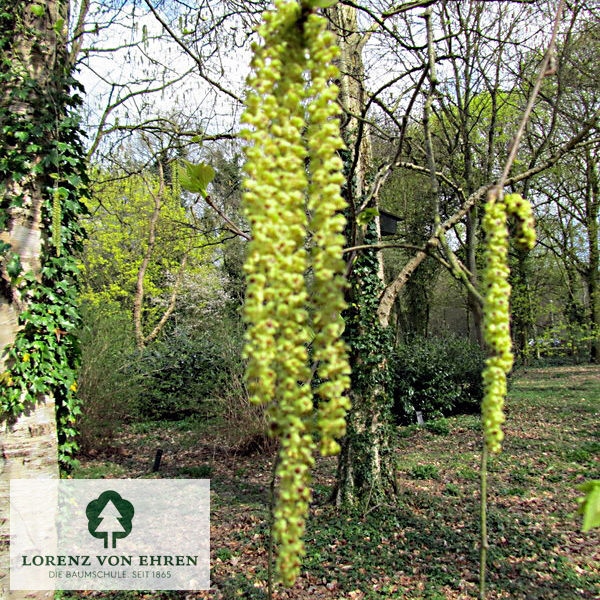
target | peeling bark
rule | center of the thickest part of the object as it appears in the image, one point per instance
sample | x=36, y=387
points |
x=28, y=445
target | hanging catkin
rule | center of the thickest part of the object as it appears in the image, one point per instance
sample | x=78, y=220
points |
x=496, y=326
x=292, y=201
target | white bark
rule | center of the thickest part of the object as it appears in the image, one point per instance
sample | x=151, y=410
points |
x=28, y=445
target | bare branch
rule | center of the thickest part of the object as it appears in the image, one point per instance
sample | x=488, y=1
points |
x=391, y=291
x=193, y=56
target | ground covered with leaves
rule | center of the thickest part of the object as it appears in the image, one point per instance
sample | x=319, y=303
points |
x=423, y=544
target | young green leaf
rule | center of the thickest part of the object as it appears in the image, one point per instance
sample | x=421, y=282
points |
x=14, y=267
x=366, y=216
x=589, y=506
x=195, y=178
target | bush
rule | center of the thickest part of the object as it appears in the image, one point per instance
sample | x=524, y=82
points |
x=437, y=376
x=438, y=427
x=188, y=368
x=424, y=472
x=200, y=369
x=107, y=385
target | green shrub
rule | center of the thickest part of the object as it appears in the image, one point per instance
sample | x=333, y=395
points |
x=424, y=472
x=196, y=472
x=188, y=368
x=452, y=490
x=437, y=376
x=109, y=384
x=438, y=427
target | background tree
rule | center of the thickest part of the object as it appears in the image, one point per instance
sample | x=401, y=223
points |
x=386, y=81
x=42, y=173
x=459, y=117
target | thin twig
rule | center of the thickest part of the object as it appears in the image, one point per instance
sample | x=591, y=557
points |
x=546, y=68
x=495, y=193
x=230, y=224
x=271, y=524
x=193, y=56
x=392, y=290
x=483, y=515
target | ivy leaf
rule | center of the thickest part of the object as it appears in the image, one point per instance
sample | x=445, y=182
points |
x=589, y=506
x=14, y=267
x=366, y=216
x=74, y=180
x=37, y=10
x=195, y=178
x=63, y=192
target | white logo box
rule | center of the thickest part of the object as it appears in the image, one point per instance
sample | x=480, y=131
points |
x=110, y=534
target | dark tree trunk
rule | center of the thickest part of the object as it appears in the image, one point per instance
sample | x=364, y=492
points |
x=365, y=469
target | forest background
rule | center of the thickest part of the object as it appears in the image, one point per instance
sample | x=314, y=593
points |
x=432, y=94
x=162, y=268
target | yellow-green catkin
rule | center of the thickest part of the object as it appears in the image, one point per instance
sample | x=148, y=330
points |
x=523, y=213
x=325, y=202
x=56, y=220
x=291, y=201
x=496, y=305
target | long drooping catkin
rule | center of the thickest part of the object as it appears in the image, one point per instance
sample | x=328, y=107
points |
x=292, y=201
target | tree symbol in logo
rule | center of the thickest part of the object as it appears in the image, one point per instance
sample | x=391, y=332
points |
x=109, y=514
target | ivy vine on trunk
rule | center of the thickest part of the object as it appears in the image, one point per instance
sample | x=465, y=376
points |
x=43, y=177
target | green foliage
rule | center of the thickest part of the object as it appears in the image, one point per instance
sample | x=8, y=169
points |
x=452, y=489
x=424, y=472
x=118, y=240
x=563, y=343
x=366, y=216
x=99, y=470
x=438, y=427
x=109, y=385
x=223, y=554
x=197, y=472
x=185, y=369
x=195, y=178
x=369, y=423
x=44, y=147
x=590, y=504
x=37, y=10
x=195, y=365
x=437, y=376
x=363, y=334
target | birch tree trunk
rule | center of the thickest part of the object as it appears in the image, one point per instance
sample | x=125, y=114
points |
x=34, y=50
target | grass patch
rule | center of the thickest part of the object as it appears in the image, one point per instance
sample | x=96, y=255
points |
x=438, y=427
x=99, y=470
x=196, y=472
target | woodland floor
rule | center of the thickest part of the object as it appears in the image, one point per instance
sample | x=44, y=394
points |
x=424, y=545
